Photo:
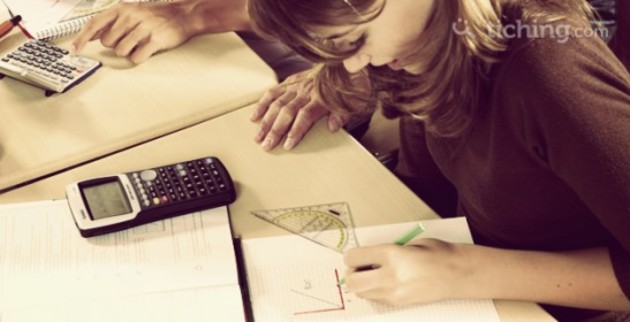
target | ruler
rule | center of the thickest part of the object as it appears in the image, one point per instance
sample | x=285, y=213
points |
x=329, y=225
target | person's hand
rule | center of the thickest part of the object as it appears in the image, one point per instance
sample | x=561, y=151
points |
x=290, y=109
x=423, y=273
x=137, y=30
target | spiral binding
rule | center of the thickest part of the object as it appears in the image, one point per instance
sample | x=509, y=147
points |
x=63, y=29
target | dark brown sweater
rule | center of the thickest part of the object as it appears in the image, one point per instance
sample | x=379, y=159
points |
x=621, y=41
x=547, y=164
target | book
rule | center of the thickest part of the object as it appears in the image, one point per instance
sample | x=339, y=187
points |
x=186, y=268
x=48, y=19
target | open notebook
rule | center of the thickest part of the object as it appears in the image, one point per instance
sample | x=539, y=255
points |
x=47, y=19
x=293, y=279
x=179, y=269
x=186, y=269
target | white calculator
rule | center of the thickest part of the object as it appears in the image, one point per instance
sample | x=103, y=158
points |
x=47, y=66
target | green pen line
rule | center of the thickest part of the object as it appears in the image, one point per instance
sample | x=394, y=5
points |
x=402, y=241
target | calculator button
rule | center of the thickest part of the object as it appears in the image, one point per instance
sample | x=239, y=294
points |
x=148, y=175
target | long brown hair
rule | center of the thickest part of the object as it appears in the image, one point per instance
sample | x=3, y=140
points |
x=450, y=68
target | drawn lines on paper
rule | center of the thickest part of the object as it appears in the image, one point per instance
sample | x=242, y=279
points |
x=327, y=305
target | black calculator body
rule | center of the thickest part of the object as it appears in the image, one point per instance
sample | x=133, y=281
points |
x=118, y=202
x=47, y=66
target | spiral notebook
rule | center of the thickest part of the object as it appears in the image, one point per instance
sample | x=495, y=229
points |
x=47, y=19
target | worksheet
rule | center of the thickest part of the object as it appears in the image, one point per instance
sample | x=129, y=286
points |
x=44, y=260
x=294, y=279
x=196, y=305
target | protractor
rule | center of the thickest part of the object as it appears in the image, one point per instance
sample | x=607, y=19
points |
x=329, y=225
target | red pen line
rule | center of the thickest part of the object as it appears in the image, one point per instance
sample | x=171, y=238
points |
x=341, y=307
x=343, y=303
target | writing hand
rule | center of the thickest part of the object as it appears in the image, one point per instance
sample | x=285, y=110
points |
x=290, y=109
x=402, y=275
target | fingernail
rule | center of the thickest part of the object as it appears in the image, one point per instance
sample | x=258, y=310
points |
x=334, y=124
x=267, y=144
x=259, y=136
x=289, y=143
x=254, y=116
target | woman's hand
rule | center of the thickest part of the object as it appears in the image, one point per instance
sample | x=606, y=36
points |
x=290, y=109
x=423, y=273
x=431, y=270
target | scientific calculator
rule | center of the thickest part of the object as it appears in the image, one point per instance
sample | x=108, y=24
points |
x=112, y=203
x=46, y=66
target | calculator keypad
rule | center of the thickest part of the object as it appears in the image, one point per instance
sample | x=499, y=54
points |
x=179, y=182
x=52, y=64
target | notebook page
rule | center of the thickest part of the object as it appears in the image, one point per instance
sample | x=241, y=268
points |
x=75, y=19
x=44, y=260
x=293, y=279
x=87, y=8
x=196, y=305
x=39, y=15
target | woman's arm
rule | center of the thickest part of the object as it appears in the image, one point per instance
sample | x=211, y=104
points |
x=432, y=270
x=583, y=278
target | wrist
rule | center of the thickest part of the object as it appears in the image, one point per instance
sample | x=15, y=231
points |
x=184, y=14
x=216, y=16
x=473, y=272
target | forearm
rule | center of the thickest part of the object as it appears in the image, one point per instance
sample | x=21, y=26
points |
x=213, y=16
x=582, y=279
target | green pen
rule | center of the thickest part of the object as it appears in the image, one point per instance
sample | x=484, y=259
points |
x=402, y=240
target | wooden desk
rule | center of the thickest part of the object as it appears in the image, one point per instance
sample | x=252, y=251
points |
x=324, y=168
x=121, y=104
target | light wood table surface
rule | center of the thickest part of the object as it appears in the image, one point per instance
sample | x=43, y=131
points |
x=324, y=168
x=122, y=104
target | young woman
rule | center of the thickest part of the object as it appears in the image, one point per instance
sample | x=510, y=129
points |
x=519, y=105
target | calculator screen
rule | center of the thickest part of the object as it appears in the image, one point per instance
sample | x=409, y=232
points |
x=106, y=199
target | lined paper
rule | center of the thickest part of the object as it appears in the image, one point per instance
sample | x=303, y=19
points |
x=196, y=305
x=292, y=279
x=46, y=264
